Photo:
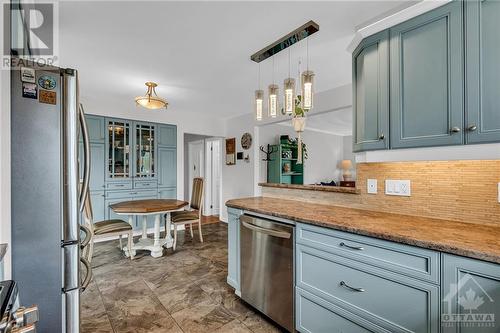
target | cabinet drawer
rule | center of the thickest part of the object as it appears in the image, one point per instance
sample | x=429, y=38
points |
x=315, y=315
x=130, y=195
x=403, y=259
x=392, y=301
x=145, y=184
x=119, y=185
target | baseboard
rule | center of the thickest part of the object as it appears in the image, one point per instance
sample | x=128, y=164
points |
x=149, y=231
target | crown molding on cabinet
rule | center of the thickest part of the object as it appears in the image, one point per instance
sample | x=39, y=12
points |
x=394, y=19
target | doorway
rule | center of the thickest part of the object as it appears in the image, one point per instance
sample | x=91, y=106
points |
x=203, y=158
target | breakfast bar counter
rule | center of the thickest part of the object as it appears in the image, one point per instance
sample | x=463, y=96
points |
x=465, y=239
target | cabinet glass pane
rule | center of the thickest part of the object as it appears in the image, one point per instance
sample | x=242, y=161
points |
x=144, y=147
x=119, y=149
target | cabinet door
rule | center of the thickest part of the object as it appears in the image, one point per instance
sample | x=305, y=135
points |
x=95, y=125
x=97, y=201
x=97, y=165
x=471, y=290
x=118, y=153
x=167, y=167
x=167, y=193
x=483, y=70
x=144, y=151
x=426, y=105
x=370, y=65
x=167, y=135
x=233, y=253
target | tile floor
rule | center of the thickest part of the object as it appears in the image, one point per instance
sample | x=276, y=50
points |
x=183, y=291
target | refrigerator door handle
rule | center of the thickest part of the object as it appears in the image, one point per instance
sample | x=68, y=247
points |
x=88, y=277
x=86, y=156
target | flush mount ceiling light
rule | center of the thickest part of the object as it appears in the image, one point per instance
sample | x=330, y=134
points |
x=151, y=100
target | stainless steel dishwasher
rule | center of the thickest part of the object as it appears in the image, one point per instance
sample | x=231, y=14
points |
x=266, y=249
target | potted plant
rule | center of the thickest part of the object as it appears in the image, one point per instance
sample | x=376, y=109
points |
x=299, y=125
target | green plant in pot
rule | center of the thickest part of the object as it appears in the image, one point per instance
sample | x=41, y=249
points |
x=299, y=125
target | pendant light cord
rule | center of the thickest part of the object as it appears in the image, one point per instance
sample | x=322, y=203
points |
x=259, y=76
x=307, y=53
x=289, y=61
x=273, y=69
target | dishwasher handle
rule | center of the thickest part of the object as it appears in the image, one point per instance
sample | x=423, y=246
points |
x=270, y=232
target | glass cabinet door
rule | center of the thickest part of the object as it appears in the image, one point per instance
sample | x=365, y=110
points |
x=144, y=151
x=118, y=149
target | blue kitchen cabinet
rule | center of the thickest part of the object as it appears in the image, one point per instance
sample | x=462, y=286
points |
x=119, y=152
x=97, y=128
x=167, y=135
x=97, y=158
x=370, y=70
x=426, y=75
x=144, y=141
x=97, y=199
x=471, y=290
x=233, y=255
x=167, y=167
x=167, y=193
x=482, y=71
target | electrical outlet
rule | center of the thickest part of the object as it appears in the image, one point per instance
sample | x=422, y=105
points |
x=371, y=186
x=398, y=187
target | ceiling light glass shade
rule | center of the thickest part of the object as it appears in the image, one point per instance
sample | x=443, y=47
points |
x=259, y=104
x=307, y=85
x=273, y=100
x=151, y=100
x=289, y=95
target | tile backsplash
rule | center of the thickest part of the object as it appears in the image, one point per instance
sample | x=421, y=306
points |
x=464, y=191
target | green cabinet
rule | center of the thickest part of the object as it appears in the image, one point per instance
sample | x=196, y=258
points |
x=426, y=74
x=470, y=295
x=482, y=71
x=283, y=167
x=370, y=70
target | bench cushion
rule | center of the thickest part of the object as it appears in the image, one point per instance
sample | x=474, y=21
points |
x=109, y=226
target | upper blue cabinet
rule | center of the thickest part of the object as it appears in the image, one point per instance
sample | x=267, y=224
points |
x=167, y=135
x=370, y=70
x=96, y=128
x=426, y=76
x=444, y=78
x=482, y=70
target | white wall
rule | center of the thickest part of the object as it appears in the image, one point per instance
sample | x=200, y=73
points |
x=325, y=151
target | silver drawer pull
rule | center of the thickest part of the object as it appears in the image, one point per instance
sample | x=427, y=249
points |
x=343, y=284
x=359, y=248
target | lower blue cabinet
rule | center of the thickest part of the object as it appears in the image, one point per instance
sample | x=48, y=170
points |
x=233, y=255
x=470, y=295
x=167, y=193
x=392, y=301
x=315, y=315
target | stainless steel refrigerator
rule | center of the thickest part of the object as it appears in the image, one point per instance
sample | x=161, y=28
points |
x=46, y=120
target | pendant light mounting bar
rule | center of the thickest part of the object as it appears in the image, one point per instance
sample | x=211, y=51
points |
x=286, y=41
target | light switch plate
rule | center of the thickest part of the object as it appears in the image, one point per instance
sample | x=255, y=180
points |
x=371, y=186
x=398, y=187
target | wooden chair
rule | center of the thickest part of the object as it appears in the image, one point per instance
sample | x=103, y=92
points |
x=193, y=215
x=103, y=229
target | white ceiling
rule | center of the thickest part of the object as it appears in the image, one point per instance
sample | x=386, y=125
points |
x=199, y=52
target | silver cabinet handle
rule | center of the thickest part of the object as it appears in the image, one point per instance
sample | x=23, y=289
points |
x=88, y=278
x=359, y=248
x=86, y=154
x=382, y=136
x=270, y=232
x=119, y=185
x=345, y=285
x=472, y=128
x=455, y=129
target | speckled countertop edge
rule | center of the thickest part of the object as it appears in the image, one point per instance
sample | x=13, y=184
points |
x=491, y=254
x=323, y=188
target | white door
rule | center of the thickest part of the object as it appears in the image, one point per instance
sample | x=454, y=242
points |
x=196, y=158
x=213, y=177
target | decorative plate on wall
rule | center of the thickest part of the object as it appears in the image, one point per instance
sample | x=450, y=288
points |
x=246, y=141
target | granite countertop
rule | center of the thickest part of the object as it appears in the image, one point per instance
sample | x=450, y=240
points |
x=464, y=239
x=3, y=250
x=325, y=188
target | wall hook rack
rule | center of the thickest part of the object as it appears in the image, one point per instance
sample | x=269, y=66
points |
x=268, y=153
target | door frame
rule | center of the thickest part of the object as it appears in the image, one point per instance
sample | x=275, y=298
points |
x=210, y=166
x=191, y=147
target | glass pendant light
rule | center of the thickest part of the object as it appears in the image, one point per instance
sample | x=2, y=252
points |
x=307, y=85
x=259, y=101
x=273, y=98
x=289, y=88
